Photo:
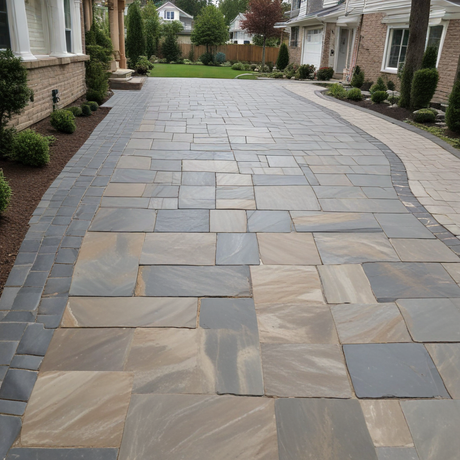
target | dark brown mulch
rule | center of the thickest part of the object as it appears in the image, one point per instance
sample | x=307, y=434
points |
x=29, y=184
x=398, y=113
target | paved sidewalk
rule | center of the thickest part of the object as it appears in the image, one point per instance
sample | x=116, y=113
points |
x=254, y=284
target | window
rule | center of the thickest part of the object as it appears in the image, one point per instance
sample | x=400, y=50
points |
x=68, y=26
x=434, y=36
x=296, y=4
x=294, y=36
x=397, y=55
x=169, y=14
x=4, y=29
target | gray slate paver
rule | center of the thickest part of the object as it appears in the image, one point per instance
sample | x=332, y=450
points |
x=237, y=249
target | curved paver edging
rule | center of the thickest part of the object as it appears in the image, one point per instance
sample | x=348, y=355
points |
x=398, y=174
x=414, y=129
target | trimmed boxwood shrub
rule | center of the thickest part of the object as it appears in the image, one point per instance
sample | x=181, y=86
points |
x=86, y=110
x=75, y=110
x=424, y=116
x=453, y=110
x=63, y=121
x=93, y=105
x=325, y=73
x=338, y=91
x=379, y=86
x=424, y=86
x=5, y=192
x=354, y=94
x=31, y=148
x=238, y=66
x=379, y=96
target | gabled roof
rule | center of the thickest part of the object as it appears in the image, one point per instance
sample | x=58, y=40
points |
x=171, y=5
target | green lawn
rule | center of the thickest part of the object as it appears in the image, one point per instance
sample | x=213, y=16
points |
x=195, y=71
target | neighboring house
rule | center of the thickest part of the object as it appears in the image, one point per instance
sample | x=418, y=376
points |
x=170, y=12
x=48, y=36
x=239, y=36
x=372, y=34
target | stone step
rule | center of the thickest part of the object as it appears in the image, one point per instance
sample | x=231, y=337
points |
x=122, y=74
x=131, y=84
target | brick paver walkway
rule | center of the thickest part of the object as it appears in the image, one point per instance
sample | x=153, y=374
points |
x=255, y=284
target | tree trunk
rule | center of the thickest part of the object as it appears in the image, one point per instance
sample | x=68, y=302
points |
x=263, y=55
x=418, y=27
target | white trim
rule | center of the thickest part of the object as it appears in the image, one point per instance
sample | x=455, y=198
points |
x=304, y=37
x=19, y=30
x=57, y=22
x=77, y=44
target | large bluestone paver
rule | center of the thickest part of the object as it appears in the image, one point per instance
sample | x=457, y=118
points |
x=230, y=279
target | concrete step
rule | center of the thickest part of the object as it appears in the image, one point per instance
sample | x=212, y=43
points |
x=131, y=84
x=122, y=74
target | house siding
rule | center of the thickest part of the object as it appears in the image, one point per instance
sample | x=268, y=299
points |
x=35, y=26
x=448, y=61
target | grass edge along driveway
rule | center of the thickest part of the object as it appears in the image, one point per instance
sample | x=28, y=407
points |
x=195, y=71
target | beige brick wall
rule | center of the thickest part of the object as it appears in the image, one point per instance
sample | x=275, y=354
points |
x=328, y=44
x=65, y=74
x=295, y=53
x=448, y=61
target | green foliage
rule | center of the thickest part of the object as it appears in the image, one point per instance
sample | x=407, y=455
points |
x=430, y=58
x=238, y=66
x=152, y=27
x=86, y=110
x=424, y=116
x=379, y=96
x=143, y=66
x=232, y=8
x=93, y=105
x=96, y=81
x=306, y=71
x=453, y=110
x=406, y=86
x=338, y=91
x=354, y=94
x=5, y=192
x=277, y=75
x=393, y=99
x=210, y=28
x=207, y=58
x=283, y=57
x=220, y=58
x=6, y=141
x=31, y=148
x=192, y=7
x=135, y=35
x=75, y=110
x=424, y=85
x=391, y=85
x=14, y=94
x=271, y=42
x=379, y=86
x=325, y=73
x=439, y=132
x=358, y=78
x=64, y=121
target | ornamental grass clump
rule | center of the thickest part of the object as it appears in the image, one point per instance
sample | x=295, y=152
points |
x=63, y=121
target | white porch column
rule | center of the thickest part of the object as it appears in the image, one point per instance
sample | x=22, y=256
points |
x=76, y=28
x=57, y=29
x=19, y=30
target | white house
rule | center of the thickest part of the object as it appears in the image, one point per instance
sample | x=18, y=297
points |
x=48, y=36
x=238, y=36
x=170, y=12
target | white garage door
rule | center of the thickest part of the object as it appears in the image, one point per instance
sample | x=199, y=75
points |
x=312, y=47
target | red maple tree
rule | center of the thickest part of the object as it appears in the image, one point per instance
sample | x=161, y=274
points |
x=261, y=17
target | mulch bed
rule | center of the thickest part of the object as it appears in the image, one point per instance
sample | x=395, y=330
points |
x=29, y=184
x=398, y=113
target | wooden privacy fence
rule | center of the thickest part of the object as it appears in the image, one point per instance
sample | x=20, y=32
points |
x=249, y=53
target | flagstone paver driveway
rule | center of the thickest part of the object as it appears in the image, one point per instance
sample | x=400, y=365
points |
x=255, y=284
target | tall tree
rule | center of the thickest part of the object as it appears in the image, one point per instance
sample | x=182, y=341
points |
x=210, y=28
x=418, y=27
x=261, y=17
x=135, y=38
x=192, y=7
x=232, y=8
x=170, y=47
x=152, y=28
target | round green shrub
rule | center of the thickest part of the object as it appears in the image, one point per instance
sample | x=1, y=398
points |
x=424, y=86
x=238, y=66
x=75, y=110
x=391, y=85
x=31, y=148
x=85, y=110
x=93, y=105
x=325, y=73
x=379, y=86
x=355, y=94
x=338, y=91
x=220, y=58
x=453, y=109
x=6, y=141
x=63, y=121
x=424, y=116
x=5, y=192
x=379, y=96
